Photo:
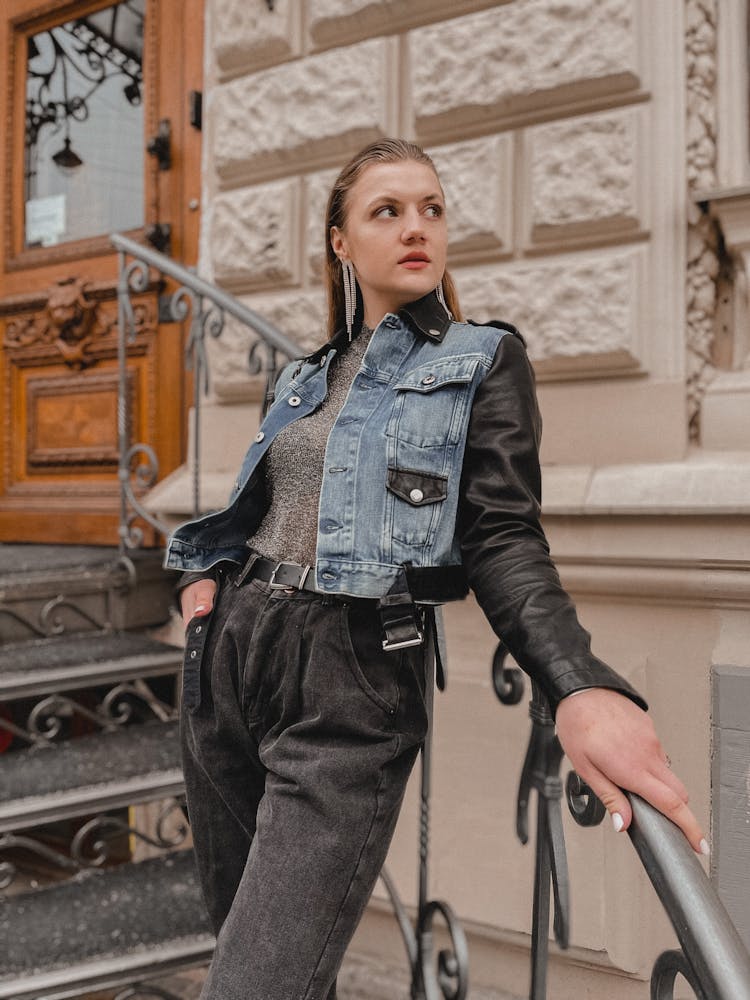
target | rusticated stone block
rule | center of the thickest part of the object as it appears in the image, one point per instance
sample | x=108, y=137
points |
x=314, y=110
x=318, y=187
x=524, y=56
x=579, y=316
x=254, y=236
x=301, y=316
x=339, y=22
x=583, y=175
x=247, y=35
x=477, y=181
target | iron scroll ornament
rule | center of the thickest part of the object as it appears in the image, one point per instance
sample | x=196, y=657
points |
x=713, y=960
x=541, y=774
x=92, y=845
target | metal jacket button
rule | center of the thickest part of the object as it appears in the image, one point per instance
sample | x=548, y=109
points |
x=294, y=400
x=259, y=436
x=428, y=380
x=417, y=496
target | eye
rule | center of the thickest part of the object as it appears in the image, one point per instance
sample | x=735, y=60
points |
x=385, y=212
x=434, y=211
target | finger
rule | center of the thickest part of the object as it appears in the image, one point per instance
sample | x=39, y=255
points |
x=669, y=778
x=614, y=800
x=197, y=598
x=667, y=801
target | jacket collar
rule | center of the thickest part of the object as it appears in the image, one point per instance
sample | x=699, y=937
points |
x=426, y=316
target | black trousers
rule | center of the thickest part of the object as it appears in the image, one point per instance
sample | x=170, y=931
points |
x=299, y=733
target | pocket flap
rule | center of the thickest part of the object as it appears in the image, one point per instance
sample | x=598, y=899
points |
x=417, y=488
x=427, y=378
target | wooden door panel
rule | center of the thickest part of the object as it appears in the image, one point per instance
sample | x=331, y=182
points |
x=60, y=446
x=59, y=443
x=71, y=423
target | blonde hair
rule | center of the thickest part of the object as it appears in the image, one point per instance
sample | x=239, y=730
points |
x=381, y=151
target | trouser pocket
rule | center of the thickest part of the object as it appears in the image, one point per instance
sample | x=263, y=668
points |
x=376, y=671
x=196, y=636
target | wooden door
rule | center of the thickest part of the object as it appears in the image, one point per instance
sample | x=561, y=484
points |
x=88, y=86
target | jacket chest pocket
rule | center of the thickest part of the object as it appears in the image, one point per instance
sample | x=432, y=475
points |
x=431, y=404
x=426, y=424
x=416, y=499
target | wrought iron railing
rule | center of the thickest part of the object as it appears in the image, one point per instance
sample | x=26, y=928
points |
x=205, y=307
x=711, y=958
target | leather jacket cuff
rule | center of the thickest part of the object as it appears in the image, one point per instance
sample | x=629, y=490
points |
x=563, y=680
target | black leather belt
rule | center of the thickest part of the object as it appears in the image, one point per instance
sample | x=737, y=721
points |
x=400, y=618
x=279, y=575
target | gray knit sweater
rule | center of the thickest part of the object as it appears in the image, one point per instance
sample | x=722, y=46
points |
x=293, y=468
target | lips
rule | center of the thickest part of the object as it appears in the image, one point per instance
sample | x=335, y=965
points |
x=415, y=261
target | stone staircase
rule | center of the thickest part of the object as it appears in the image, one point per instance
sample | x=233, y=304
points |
x=96, y=889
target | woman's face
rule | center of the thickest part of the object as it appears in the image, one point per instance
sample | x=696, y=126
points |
x=395, y=235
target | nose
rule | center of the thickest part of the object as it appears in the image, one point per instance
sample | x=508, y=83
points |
x=413, y=228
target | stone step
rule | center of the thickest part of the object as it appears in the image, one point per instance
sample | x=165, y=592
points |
x=67, y=662
x=106, y=770
x=103, y=929
x=48, y=589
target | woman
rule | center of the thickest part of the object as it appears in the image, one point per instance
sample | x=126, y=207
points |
x=397, y=463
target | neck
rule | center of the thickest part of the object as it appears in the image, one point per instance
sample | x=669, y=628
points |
x=374, y=317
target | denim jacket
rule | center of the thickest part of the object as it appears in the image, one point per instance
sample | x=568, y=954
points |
x=432, y=464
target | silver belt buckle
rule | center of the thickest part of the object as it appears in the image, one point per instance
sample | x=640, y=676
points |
x=390, y=646
x=287, y=586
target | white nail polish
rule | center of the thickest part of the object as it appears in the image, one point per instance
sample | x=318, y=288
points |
x=617, y=822
x=199, y=607
x=704, y=848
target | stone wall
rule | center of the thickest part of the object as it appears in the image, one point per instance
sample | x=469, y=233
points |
x=540, y=117
x=561, y=134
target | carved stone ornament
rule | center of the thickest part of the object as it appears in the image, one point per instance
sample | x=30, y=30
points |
x=71, y=323
x=702, y=236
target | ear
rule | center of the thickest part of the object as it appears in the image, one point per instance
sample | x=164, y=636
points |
x=338, y=243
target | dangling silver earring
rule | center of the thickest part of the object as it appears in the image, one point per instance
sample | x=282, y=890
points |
x=441, y=299
x=350, y=295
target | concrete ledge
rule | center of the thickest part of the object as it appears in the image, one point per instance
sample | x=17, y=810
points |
x=713, y=483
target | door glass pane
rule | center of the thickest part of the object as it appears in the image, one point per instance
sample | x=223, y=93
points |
x=84, y=126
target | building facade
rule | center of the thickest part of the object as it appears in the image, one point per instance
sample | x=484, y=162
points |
x=582, y=147
x=595, y=156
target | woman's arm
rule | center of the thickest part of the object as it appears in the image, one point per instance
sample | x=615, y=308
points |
x=504, y=549
x=607, y=735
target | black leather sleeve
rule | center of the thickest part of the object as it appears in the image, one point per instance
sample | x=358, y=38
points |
x=504, y=548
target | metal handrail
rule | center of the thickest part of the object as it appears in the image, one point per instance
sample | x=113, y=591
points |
x=712, y=957
x=226, y=302
x=205, y=306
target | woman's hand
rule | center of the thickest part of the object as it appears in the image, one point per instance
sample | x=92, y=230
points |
x=197, y=599
x=612, y=744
